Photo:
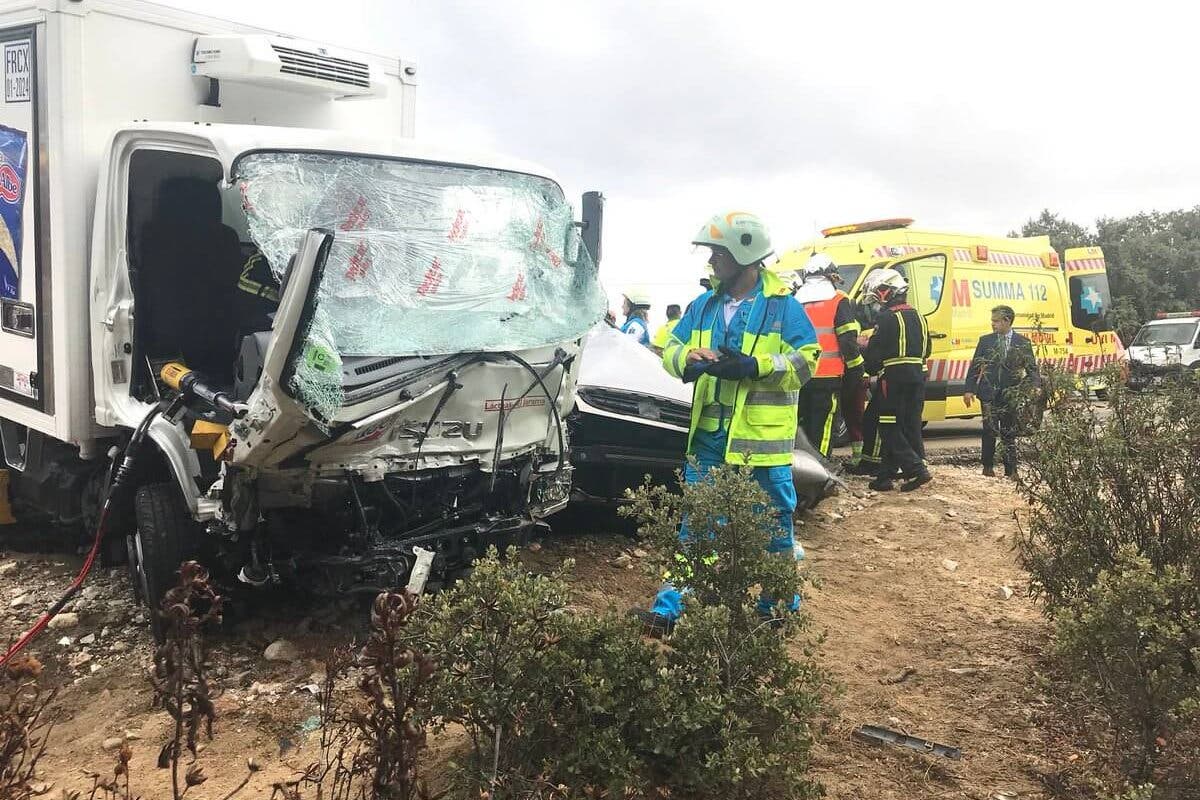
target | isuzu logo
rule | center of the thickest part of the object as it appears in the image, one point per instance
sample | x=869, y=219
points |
x=413, y=429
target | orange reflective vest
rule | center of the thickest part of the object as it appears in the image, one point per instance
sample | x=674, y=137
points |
x=822, y=313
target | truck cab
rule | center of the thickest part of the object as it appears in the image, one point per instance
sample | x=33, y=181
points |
x=334, y=350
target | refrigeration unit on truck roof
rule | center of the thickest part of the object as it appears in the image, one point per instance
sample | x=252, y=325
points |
x=288, y=64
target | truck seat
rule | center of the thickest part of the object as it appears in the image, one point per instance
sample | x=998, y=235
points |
x=190, y=264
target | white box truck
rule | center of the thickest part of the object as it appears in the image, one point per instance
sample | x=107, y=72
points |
x=353, y=344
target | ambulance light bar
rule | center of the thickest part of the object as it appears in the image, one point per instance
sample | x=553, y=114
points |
x=1176, y=314
x=864, y=227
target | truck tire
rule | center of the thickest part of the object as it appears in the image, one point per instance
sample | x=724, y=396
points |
x=165, y=535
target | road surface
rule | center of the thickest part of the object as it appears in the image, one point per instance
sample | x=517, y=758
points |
x=947, y=435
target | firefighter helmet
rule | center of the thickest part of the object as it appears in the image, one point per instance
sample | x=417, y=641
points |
x=882, y=285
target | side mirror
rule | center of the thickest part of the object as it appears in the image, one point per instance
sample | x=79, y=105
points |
x=593, y=223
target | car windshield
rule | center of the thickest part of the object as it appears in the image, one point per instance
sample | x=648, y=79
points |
x=427, y=259
x=1180, y=333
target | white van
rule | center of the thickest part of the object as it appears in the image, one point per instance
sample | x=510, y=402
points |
x=1168, y=345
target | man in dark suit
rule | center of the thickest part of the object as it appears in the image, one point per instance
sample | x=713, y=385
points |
x=1003, y=361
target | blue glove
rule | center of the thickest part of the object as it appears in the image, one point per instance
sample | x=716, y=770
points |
x=734, y=366
x=695, y=369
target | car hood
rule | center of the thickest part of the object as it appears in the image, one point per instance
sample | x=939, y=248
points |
x=1159, y=355
x=615, y=361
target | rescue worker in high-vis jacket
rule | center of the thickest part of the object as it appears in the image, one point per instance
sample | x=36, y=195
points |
x=637, y=308
x=897, y=352
x=748, y=347
x=832, y=314
x=663, y=334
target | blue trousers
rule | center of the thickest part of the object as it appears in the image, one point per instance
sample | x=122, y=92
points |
x=709, y=450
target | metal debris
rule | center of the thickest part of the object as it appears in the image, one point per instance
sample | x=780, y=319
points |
x=880, y=735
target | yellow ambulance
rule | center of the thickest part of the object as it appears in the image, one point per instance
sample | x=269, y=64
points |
x=955, y=279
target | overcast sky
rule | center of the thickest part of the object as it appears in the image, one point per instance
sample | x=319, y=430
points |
x=965, y=116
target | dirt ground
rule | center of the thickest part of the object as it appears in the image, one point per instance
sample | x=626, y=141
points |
x=913, y=597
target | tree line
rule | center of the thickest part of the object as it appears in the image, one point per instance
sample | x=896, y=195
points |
x=1153, y=260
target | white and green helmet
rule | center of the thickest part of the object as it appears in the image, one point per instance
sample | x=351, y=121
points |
x=742, y=234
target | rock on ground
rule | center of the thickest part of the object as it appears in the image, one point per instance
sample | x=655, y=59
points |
x=281, y=650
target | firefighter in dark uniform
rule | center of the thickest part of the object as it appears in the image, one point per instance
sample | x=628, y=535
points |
x=257, y=297
x=897, y=353
x=833, y=316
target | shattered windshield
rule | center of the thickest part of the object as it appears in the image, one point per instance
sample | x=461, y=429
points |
x=427, y=259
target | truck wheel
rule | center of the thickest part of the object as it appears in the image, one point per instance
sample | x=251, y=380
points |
x=165, y=536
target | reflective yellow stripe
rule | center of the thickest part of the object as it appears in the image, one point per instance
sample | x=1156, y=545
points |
x=847, y=328
x=251, y=286
x=761, y=398
x=903, y=335
x=891, y=362
x=854, y=362
x=765, y=447
x=827, y=434
x=889, y=419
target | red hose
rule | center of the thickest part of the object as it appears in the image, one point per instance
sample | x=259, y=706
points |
x=52, y=612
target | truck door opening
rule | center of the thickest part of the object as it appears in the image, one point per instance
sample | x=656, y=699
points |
x=184, y=265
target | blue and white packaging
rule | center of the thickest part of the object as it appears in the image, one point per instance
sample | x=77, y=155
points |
x=13, y=162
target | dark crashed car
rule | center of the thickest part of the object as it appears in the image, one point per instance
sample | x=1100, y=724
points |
x=631, y=420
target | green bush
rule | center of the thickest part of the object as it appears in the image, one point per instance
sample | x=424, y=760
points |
x=741, y=714
x=1133, y=640
x=1113, y=549
x=554, y=703
x=741, y=708
x=1101, y=478
x=558, y=703
x=725, y=562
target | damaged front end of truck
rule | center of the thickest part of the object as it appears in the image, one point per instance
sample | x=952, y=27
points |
x=406, y=405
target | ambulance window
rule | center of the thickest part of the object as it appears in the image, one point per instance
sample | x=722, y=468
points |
x=926, y=277
x=850, y=273
x=1090, y=301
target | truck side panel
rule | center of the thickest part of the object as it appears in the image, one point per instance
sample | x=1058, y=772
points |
x=23, y=316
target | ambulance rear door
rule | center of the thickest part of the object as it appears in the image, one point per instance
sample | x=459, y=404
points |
x=23, y=340
x=1093, y=344
x=928, y=273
